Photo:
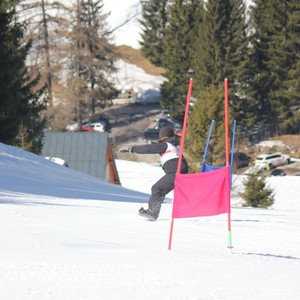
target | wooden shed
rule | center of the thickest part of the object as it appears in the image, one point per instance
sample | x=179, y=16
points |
x=87, y=152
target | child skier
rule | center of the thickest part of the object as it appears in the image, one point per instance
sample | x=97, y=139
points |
x=168, y=149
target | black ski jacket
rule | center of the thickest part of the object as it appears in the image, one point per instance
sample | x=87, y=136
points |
x=165, y=148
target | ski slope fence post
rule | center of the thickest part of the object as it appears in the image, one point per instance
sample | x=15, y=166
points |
x=227, y=152
x=186, y=113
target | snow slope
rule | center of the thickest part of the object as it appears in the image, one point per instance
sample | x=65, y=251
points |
x=131, y=77
x=65, y=235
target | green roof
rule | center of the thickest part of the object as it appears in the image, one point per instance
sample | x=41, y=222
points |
x=82, y=151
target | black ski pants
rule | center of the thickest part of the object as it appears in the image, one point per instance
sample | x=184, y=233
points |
x=158, y=192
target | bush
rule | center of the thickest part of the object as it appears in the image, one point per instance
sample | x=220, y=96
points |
x=256, y=193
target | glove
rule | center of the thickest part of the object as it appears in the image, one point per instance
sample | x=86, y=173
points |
x=125, y=149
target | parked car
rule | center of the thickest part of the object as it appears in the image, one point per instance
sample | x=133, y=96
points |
x=167, y=122
x=101, y=119
x=273, y=160
x=178, y=132
x=98, y=126
x=151, y=134
x=278, y=172
x=73, y=126
x=86, y=126
x=240, y=159
x=165, y=114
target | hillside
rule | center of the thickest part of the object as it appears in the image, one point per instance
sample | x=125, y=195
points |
x=135, y=57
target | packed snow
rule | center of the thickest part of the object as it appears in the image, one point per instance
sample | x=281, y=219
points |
x=66, y=235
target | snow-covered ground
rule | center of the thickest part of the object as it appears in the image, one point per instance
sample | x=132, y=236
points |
x=131, y=77
x=65, y=235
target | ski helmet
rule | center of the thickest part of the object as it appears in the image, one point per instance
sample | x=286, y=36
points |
x=166, y=132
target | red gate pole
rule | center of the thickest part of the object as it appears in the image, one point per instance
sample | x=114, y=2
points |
x=226, y=121
x=227, y=152
x=186, y=113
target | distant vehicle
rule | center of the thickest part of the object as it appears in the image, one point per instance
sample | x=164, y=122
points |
x=240, y=160
x=178, y=132
x=278, y=172
x=101, y=119
x=297, y=174
x=86, y=126
x=73, y=126
x=166, y=114
x=167, y=122
x=273, y=160
x=163, y=122
x=151, y=134
x=98, y=126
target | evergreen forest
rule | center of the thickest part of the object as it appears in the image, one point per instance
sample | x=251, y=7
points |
x=257, y=47
x=56, y=57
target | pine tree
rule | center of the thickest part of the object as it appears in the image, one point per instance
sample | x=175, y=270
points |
x=221, y=51
x=289, y=95
x=209, y=66
x=101, y=53
x=256, y=193
x=23, y=141
x=153, y=23
x=276, y=59
x=184, y=20
x=92, y=57
x=19, y=96
x=209, y=106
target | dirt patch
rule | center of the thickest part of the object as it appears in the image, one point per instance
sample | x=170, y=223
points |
x=292, y=143
x=135, y=57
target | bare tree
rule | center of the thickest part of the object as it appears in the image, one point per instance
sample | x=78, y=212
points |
x=42, y=17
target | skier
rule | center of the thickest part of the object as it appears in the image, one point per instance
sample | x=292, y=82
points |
x=168, y=149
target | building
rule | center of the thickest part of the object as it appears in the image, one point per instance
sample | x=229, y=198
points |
x=87, y=152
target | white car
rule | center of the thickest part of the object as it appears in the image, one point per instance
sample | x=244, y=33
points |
x=270, y=161
x=98, y=126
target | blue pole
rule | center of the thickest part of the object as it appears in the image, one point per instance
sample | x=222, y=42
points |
x=232, y=150
x=207, y=142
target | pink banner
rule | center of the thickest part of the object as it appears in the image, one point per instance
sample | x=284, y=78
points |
x=202, y=194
